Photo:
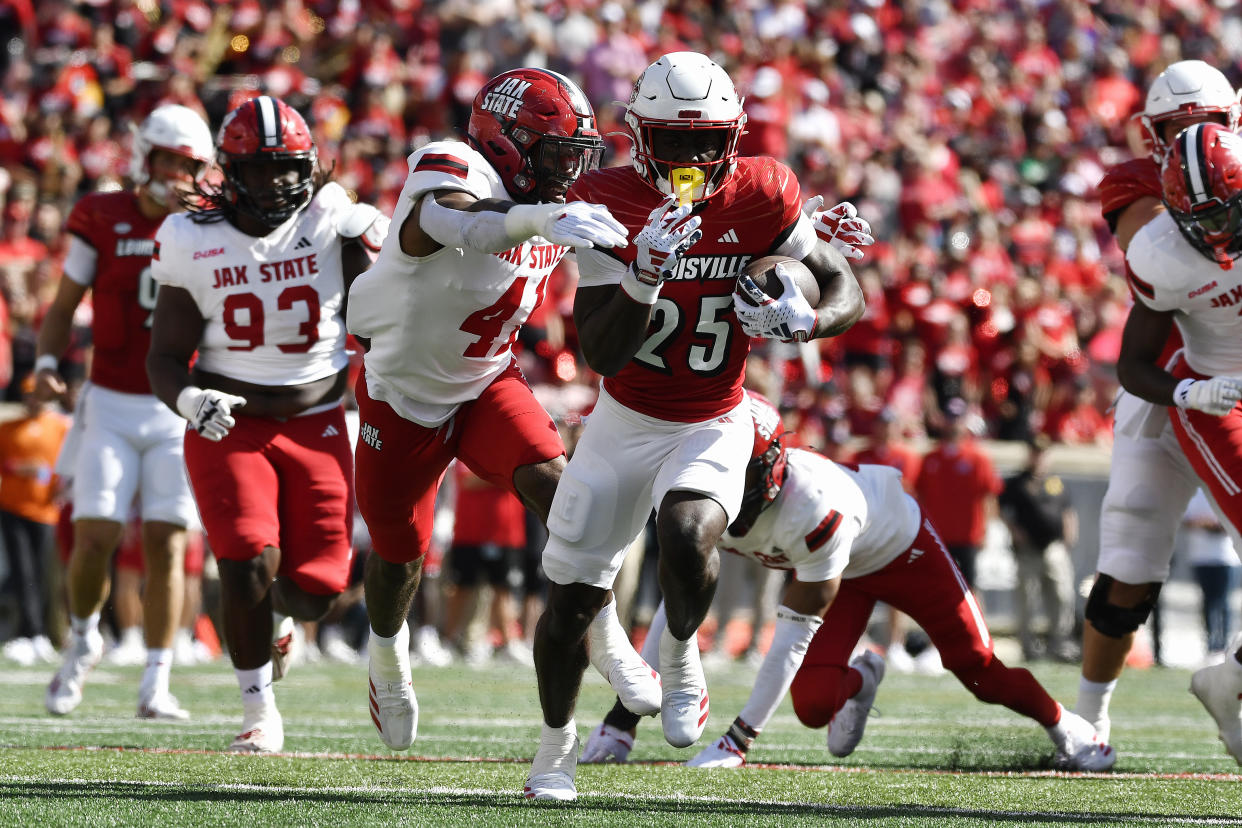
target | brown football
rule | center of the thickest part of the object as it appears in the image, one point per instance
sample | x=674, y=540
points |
x=762, y=272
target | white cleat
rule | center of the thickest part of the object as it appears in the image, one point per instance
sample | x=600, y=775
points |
x=130, y=651
x=393, y=705
x=1079, y=747
x=552, y=772
x=64, y=693
x=285, y=644
x=1219, y=688
x=637, y=684
x=720, y=754
x=607, y=745
x=162, y=707
x=684, y=703
x=262, y=732
x=430, y=650
x=845, y=730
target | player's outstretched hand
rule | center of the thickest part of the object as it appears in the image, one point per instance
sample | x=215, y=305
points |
x=840, y=226
x=579, y=224
x=1216, y=396
x=208, y=410
x=666, y=237
x=790, y=317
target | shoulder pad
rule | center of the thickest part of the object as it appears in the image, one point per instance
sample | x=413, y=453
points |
x=1127, y=182
x=365, y=223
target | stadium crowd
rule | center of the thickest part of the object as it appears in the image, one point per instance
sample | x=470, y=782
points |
x=972, y=135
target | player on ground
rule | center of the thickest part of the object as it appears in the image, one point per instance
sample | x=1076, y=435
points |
x=852, y=536
x=671, y=429
x=1182, y=272
x=479, y=227
x=1150, y=479
x=256, y=283
x=131, y=443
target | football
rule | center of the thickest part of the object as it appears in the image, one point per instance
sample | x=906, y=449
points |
x=762, y=272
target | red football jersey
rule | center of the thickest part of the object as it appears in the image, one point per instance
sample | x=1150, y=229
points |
x=124, y=292
x=690, y=368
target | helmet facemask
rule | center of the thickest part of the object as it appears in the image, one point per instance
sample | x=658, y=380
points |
x=765, y=477
x=274, y=201
x=1202, y=184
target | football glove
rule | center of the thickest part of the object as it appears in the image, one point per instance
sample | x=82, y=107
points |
x=790, y=318
x=576, y=224
x=840, y=226
x=1216, y=396
x=208, y=410
x=665, y=239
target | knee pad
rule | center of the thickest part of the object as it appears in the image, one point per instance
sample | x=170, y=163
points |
x=1112, y=620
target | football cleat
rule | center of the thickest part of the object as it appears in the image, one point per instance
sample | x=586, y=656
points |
x=83, y=652
x=1219, y=688
x=393, y=705
x=552, y=771
x=637, y=684
x=845, y=730
x=130, y=651
x=607, y=745
x=1079, y=747
x=684, y=703
x=720, y=754
x=285, y=643
x=262, y=732
x=162, y=707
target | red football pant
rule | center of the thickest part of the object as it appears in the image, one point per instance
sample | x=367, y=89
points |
x=924, y=583
x=402, y=463
x=280, y=483
x=1213, y=445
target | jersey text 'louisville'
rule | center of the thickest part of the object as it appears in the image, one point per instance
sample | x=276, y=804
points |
x=442, y=326
x=272, y=304
x=691, y=365
x=122, y=287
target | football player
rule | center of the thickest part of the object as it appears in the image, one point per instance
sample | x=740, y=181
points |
x=1181, y=270
x=130, y=442
x=479, y=227
x=852, y=536
x=255, y=281
x=1150, y=479
x=658, y=319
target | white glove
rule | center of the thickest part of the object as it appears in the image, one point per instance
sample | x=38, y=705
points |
x=208, y=410
x=1216, y=396
x=840, y=226
x=575, y=224
x=790, y=318
x=665, y=239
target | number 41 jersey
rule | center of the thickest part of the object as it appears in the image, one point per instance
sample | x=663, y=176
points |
x=272, y=304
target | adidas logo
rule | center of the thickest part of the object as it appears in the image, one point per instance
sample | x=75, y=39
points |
x=305, y=242
x=730, y=237
x=330, y=431
x=915, y=554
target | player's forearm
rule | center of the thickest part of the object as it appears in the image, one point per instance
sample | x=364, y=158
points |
x=841, y=302
x=54, y=335
x=611, y=333
x=1146, y=380
x=790, y=641
x=169, y=375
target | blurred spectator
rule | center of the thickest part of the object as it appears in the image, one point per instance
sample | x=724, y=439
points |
x=1216, y=567
x=1043, y=526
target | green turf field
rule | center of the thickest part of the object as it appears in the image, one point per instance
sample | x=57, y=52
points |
x=931, y=756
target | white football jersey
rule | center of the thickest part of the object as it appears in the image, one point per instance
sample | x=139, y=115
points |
x=442, y=326
x=1168, y=274
x=830, y=520
x=273, y=303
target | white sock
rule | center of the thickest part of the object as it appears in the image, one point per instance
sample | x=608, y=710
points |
x=651, y=644
x=558, y=749
x=676, y=655
x=392, y=651
x=607, y=639
x=1093, y=699
x=155, y=677
x=82, y=627
x=256, y=687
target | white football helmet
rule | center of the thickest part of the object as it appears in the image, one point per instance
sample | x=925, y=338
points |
x=1188, y=87
x=684, y=90
x=174, y=128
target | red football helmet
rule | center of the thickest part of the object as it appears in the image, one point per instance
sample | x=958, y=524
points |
x=1202, y=180
x=765, y=474
x=266, y=129
x=537, y=130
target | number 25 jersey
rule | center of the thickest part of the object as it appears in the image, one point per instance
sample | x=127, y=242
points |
x=272, y=304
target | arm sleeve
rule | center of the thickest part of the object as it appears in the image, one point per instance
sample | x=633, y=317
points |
x=80, y=261
x=598, y=266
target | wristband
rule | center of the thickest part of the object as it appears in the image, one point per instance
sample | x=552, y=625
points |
x=46, y=362
x=638, y=290
x=1182, y=392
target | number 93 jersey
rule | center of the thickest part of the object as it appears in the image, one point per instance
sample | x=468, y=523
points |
x=272, y=304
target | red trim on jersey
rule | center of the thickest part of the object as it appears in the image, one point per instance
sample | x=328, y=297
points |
x=155, y=254
x=821, y=534
x=1138, y=284
x=438, y=162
